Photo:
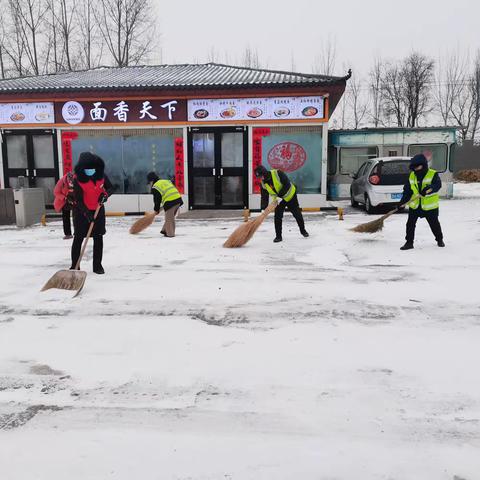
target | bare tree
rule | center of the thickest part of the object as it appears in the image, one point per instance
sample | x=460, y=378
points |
x=375, y=87
x=393, y=94
x=356, y=102
x=128, y=29
x=417, y=73
x=406, y=89
x=91, y=46
x=29, y=19
x=324, y=62
x=464, y=105
x=250, y=58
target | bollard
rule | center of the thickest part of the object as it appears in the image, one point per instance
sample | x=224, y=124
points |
x=340, y=213
x=43, y=220
x=246, y=214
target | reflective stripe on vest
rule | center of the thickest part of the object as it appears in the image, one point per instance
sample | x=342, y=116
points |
x=277, y=187
x=167, y=190
x=429, y=202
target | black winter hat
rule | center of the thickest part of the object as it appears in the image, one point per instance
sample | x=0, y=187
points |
x=260, y=171
x=89, y=160
x=152, y=177
x=418, y=160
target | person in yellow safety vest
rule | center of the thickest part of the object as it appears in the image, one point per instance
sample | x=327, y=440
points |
x=165, y=195
x=277, y=184
x=425, y=182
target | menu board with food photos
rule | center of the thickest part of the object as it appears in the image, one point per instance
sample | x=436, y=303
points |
x=19, y=113
x=276, y=108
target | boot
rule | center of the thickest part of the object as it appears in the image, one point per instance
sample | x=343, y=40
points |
x=440, y=243
x=98, y=269
x=304, y=233
x=277, y=239
x=407, y=246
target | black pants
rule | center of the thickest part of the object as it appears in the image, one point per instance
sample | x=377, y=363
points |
x=97, y=250
x=294, y=208
x=67, y=227
x=432, y=219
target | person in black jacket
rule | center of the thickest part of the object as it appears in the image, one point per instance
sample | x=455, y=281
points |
x=91, y=187
x=419, y=167
x=282, y=188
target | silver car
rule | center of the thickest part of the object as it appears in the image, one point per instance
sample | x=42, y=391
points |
x=379, y=182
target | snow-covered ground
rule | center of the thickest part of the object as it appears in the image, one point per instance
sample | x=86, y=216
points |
x=332, y=357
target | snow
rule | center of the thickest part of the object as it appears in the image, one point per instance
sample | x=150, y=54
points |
x=332, y=357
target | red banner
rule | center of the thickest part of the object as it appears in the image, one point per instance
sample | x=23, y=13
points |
x=258, y=134
x=67, y=157
x=179, y=165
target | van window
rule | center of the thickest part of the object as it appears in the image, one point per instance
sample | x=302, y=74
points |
x=351, y=158
x=395, y=172
x=439, y=154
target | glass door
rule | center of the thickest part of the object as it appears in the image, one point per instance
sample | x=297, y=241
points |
x=217, y=168
x=33, y=155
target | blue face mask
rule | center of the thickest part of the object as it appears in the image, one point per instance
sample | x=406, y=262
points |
x=89, y=172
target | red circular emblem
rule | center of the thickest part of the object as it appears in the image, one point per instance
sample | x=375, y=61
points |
x=287, y=156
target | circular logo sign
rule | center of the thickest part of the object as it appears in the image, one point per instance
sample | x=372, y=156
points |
x=287, y=156
x=72, y=112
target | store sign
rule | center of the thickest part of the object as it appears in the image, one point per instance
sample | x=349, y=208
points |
x=122, y=111
x=20, y=113
x=278, y=108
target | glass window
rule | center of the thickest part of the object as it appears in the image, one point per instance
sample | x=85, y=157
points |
x=130, y=156
x=451, y=162
x=298, y=153
x=17, y=151
x=43, y=151
x=351, y=158
x=332, y=160
x=203, y=150
x=361, y=170
x=437, y=151
x=232, y=149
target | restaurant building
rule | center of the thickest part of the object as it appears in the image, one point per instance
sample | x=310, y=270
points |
x=204, y=126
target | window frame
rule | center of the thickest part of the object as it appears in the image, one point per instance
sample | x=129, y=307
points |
x=351, y=148
x=431, y=145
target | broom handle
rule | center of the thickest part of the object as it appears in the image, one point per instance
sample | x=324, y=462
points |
x=415, y=197
x=90, y=228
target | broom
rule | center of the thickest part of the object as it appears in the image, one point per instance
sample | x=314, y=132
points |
x=245, y=232
x=377, y=225
x=143, y=223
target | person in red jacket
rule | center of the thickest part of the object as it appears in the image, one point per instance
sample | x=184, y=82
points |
x=91, y=187
x=64, y=202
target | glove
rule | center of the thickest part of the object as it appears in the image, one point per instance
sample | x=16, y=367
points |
x=89, y=216
x=102, y=198
x=426, y=191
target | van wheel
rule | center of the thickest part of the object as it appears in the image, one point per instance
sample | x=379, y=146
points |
x=353, y=202
x=368, y=206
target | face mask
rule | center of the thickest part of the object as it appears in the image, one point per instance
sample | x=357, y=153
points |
x=89, y=172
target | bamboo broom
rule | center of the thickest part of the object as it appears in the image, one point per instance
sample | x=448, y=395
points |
x=245, y=232
x=377, y=225
x=142, y=223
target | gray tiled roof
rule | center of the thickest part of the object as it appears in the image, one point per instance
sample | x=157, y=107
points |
x=210, y=75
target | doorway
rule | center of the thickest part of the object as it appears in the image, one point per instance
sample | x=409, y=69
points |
x=31, y=154
x=217, y=166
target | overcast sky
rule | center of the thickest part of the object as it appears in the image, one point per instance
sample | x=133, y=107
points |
x=279, y=29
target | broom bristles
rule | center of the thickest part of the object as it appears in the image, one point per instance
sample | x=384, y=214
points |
x=245, y=232
x=143, y=223
x=370, y=227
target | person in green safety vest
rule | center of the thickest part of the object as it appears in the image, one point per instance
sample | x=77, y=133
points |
x=165, y=195
x=277, y=184
x=425, y=182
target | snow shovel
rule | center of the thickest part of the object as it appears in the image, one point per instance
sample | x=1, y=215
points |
x=72, y=279
x=377, y=225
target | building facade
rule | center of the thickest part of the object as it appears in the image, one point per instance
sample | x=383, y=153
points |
x=204, y=126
